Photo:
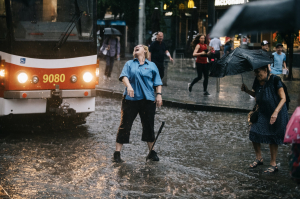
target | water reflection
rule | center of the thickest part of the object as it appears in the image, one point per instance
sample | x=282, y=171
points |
x=203, y=154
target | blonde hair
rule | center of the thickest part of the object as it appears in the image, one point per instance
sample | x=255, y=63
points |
x=146, y=52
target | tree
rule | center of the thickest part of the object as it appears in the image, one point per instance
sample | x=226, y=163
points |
x=127, y=11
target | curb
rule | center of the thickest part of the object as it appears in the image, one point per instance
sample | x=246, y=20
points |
x=176, y=103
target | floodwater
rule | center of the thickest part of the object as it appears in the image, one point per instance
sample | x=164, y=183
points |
x=202, y=155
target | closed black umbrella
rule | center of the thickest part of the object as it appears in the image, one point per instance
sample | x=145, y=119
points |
x=283, y=15
x=112, y=31
x=239, y=61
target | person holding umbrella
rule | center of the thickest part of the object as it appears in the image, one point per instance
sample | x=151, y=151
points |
x=111, y=48
x=272, y=115
x=140, y=76
x=292, y=136
x=202, y=66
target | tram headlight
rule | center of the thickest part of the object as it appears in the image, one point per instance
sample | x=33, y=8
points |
x=87, y=77
x=22, y=78
x=35, y=79
x=74, y=78
x=2, y=73
x=97, y=72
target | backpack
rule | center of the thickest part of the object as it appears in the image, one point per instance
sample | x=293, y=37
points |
x=288, y=100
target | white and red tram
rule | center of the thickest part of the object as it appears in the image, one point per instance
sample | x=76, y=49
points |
x=48, y=59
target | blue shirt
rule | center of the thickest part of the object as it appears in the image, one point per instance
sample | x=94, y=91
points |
x=142, y=79
x=278, y=63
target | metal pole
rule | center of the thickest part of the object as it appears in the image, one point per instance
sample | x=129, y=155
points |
x=211, y=15
x=218, y=85
x=141, y=21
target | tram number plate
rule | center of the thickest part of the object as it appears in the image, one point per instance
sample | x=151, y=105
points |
x=54, y=78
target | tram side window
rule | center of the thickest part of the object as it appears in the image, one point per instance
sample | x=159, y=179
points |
x=3, y=27
x=50, y=19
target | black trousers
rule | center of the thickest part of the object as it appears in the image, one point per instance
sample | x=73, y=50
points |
x=217, y=55
x=109, y=65
x=161, y=68
x=201, y=69
x=130, y=109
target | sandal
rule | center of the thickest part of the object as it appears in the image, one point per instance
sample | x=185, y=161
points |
x=256, y=163
x=272, y=169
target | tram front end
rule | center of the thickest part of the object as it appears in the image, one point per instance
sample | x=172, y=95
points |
x=48, y=68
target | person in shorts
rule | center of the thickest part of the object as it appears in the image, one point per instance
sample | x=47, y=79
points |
x=141, y=78
x=279, y=61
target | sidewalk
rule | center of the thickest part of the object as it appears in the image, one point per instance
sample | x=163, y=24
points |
x=230, y=97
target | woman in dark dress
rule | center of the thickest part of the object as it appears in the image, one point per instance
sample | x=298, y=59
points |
x=272, y=115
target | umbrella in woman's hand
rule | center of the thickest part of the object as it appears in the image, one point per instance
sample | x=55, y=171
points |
x=239, y=61
x=112, y=31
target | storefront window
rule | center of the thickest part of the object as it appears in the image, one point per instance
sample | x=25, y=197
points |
x=52, y=19
x=3, y=26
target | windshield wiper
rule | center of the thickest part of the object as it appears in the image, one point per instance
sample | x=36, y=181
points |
x=75, y=20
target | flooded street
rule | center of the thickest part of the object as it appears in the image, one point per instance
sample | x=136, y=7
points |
x=202, y=155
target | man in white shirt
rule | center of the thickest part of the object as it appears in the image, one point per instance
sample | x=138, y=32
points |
x=215, y=43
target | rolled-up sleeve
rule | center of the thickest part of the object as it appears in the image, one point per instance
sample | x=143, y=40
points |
x=156, y=77
x=125, y=71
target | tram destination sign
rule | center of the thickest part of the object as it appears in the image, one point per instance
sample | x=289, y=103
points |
x=229, y=2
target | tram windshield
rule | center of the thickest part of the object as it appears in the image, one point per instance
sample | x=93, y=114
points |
x=3, y=27
x=50, y=20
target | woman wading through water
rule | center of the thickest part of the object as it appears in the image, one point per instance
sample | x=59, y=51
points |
x=140, y=76
x=272, y=115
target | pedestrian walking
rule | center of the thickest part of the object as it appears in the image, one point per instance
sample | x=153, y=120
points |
x=292, y=136
x=228, y=46
x=216, y=45
x=140, y=76
x=111, y=47
x=202, y=66
x=279, y=61
x=157, y=50
x=272, y=115
x=265, y=47
x=98, y=42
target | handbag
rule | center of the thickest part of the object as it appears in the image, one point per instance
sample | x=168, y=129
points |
x=253, y=115
x=104, y=52
x=105, y=48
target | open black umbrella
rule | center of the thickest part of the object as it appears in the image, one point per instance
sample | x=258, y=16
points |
x=112, y=31
x=239, y=61
x=260, y=16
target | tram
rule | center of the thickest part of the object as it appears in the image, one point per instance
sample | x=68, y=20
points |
x=48, y=66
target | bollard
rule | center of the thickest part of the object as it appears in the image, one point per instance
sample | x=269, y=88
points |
x=218, y=85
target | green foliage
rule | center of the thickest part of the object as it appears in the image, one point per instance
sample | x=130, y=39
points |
x=173, y=5
x=286, y=37
x=126, y=9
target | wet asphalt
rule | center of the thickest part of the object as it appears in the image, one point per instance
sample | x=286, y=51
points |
x=202, y=155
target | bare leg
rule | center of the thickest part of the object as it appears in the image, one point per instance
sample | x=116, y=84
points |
x=150, y=145
x=273, y=150
x=257, y=147
x=259, y=159
x=118, y=146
